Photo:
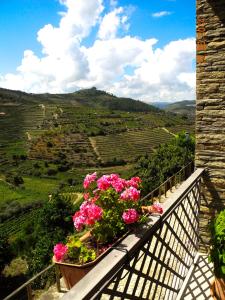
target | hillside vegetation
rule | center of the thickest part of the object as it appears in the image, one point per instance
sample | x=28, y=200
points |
x=49, y=142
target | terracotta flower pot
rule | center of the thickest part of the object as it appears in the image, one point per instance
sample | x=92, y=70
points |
x=72, y=273
x=218, y=289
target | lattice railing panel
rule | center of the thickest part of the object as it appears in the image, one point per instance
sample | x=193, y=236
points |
x=158, y=269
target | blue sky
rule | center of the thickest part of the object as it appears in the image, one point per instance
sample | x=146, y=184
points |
x=158, y=37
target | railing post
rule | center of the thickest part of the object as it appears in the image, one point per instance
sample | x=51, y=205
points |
x=165, y=188
x=29, y=292
x=57, y=277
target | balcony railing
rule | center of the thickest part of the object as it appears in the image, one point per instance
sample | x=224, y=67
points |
x=152, y=262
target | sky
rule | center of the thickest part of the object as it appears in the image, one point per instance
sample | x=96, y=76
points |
x=140, y=49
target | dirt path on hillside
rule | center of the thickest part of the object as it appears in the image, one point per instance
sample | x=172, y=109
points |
x=94, y=146
x=166, y=130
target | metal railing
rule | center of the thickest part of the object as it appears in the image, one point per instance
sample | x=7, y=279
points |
x=152, y=262
x=170, y=183
x=25, y=291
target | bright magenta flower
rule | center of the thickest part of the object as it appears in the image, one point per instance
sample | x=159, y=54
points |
x=157, y=207
x=130, y=194
x=130, y=216
x=79, y=220
x=114, y=177
x=134, y=182
x=59, y=251
x=89, y=179
x=119, y=184
x=104, y=182
x=88, y=214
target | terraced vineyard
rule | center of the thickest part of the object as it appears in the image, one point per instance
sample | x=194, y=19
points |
x=14, y=225
x=129, y=145
x=178, y=128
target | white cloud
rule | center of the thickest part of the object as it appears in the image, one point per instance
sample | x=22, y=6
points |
x=117, y=62
x=160, y=14
x=111, y=23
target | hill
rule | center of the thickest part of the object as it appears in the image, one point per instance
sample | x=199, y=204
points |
x=87, y=97
x=186, y=107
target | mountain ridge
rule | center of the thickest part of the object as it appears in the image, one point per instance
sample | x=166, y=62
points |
x=92, y=97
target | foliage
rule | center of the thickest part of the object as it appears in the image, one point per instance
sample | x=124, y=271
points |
x=39, y=234
x=165, y=161
x=217, y=253
x=17, y=267
x=5, y=251
x=14, y=179
x=78, y=252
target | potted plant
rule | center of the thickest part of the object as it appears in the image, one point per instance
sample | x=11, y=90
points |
x=111, y=207
x=217, y=256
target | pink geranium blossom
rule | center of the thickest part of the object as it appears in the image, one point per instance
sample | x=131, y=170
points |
x=134, y=182
x=89, y=179
x=88, y=214
x=119, y=184
x=130, y=194
x=114, y=177
x=94, y=214
x=157, y=208
x=59, y=251
x=130, y=216
x=79, y=221
x=104, y=182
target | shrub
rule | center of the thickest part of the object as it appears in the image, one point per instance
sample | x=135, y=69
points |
x=14, y=179
x=217, y=253
x=167, y=159
x=51, y=172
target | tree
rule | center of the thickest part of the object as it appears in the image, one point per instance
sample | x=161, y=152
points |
x=166, y=160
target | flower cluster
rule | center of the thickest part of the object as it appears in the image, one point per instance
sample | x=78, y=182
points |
x=130, y=216
x=88, y=214
x=59, y=251
x=110, y=203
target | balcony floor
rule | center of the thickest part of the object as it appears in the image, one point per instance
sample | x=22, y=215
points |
x=198, y=281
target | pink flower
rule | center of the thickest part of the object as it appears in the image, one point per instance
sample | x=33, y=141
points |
x=130, y=194
x=94, y=214
x=104, y=182
x=119, y=184
x=134, y=182
x=88, y=214
x=79, y=220
x=59, y=251
x=130, y=216
x=114, y=177
x=157, y=208
x=89, y=179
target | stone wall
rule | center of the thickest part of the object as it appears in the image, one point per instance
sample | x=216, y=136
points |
x=210, y=115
